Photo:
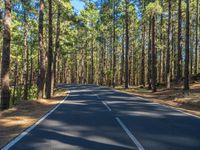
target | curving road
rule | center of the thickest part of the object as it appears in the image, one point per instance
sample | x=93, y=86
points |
x=99, y=118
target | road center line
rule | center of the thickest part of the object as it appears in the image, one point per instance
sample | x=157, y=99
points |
x=131, y=136
x=109, y=109
x=24, y=133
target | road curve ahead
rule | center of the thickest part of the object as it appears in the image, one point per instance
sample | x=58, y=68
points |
x=99, y=118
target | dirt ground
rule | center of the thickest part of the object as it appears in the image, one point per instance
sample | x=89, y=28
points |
x=172, y=97
x=14, y=120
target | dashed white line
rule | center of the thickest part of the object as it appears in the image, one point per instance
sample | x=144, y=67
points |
x=24, y=133
x=131, y=136
x=109, y=109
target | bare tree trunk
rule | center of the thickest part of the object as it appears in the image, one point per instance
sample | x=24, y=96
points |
x=161, y=71
x=149, y=56
x=41, y=76
x=142, y=75
x=122, y=59
x=57, y=46
x=127, y=44
x=5, y=68
x=50, y=55
x=196, y=66
x=168, y=75
x=179, y=56
x=153, y=54
x=26, y=54
x=187, y=48
x=92, y=63
x=114, y=46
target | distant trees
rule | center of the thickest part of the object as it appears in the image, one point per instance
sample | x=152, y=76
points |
x=110, y=43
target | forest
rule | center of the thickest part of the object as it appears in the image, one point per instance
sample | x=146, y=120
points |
x=145, y=43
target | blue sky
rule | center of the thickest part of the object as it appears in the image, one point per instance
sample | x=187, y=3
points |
x=77, y=4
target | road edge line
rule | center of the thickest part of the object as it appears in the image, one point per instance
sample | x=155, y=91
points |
x=29, y=129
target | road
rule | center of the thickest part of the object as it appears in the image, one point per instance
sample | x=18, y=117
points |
x=99, y=118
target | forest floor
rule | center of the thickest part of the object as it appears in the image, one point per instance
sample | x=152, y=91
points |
x=173, y=97
x=16, y=119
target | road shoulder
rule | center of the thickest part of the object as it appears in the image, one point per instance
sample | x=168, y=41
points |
x=16, y=119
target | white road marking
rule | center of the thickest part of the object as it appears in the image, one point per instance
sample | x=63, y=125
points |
x=24, y=133
x=131, y=136
x=109, y=109
x=97, y=96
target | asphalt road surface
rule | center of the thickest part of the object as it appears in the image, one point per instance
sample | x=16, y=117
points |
x=99, y=118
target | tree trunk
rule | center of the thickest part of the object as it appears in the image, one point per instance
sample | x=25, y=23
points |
x=5, y=68
x=92, y=63
x=153, y=54
x=122, y=59
x=26, y=54
x=50, y=55
x=57, y=46
x=196, y=66
x=114, y=46
x=168, y=75
x=161, y=71
x=127, y=44
x=41, y=76
x=142, y=73
x=179, y=58
x=187, y=46
x=149, y=56
x=31, y=69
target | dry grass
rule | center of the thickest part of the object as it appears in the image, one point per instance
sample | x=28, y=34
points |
x=14, y=120
x=172, y=97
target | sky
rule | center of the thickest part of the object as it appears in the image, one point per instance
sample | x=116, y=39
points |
x=78, y=5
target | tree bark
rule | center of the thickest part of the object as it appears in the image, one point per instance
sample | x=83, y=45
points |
x=187, y=46
x=50, y=55
x=41, y=76
x=142, y=73
x=149, y=56
x=196, y=66
x=57, y=46
x=114, y=46
x=5, y=68
x=26, y=53
x=153, y=54
x=179, y=58
x=168, y=75
x=127, y=44
x=122, y=58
